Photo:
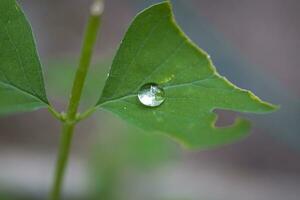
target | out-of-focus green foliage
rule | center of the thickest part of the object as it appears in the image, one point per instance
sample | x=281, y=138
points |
x=125, y=150
x=21, y=79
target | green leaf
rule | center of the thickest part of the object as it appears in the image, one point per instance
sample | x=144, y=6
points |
x=21, y=79
x=155, y=50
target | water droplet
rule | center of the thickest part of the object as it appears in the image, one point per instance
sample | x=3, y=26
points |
x=151, y=95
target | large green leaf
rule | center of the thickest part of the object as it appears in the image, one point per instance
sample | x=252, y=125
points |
x=21, y=79
x=155, y=50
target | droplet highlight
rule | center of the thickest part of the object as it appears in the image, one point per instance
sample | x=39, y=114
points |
x=151, y=95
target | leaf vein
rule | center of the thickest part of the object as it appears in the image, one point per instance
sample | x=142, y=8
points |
x=158, y=67
x=138, y=52
x=21, y=64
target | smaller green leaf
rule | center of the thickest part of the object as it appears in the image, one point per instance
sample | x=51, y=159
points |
x=21, y=79
x=155, y=51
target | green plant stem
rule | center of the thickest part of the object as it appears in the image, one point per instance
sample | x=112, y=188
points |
x=54, y=113
x=62, y=159
x=69, y=123
x=86, y=114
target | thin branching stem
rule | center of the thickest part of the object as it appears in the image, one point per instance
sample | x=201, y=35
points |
x=69, y=122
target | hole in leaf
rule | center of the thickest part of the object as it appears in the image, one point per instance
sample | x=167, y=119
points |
x=225, y=118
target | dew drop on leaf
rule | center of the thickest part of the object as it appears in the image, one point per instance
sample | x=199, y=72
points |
x=151, y=95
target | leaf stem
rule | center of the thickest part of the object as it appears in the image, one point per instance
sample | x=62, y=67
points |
x=62, y=159
x=86, y=54
x=69, y=123
x=86, y=114
x=55, y=114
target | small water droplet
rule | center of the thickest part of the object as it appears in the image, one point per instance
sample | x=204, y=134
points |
x=151, y=95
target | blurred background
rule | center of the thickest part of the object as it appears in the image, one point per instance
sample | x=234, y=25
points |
x=253, y=43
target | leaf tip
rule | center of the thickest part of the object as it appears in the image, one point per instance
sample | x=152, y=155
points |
x=265, y=106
